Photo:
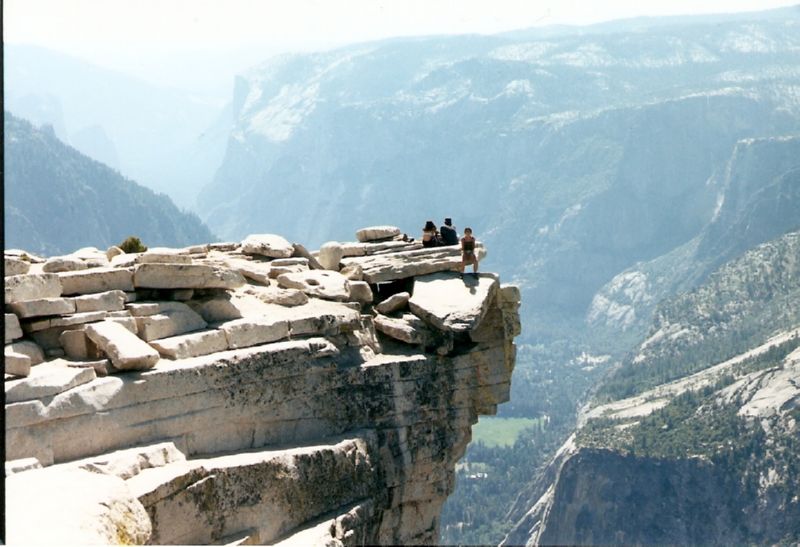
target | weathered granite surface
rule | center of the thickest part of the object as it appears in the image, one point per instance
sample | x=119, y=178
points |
x=285, y=416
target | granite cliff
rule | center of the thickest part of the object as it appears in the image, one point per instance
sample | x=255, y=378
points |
x=694, y=438
x=246, y=393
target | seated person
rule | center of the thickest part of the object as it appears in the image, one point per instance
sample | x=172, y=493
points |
x=449, y=233
x=430, y=237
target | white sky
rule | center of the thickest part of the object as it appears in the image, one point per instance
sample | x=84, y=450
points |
x=137, y=35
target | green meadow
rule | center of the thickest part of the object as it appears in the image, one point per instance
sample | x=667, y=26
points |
x=493, y=431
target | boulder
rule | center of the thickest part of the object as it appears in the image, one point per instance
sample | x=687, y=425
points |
x=125, y=260
x=196, y=250
x=82, y=507
x=408, y=328
x=450, y=303
x=16, y=364
x=23, y=255
x=277, y=271
x=379, y=268
x=16, y=266
x=96, y=280
x=242, y=333
x=282, y=297
x=377, y=233
x=31, y=287
x=77, y=345
x=320, y=283
x=91, y=257
x=360, y=291
x=104, y=301
x=330, y=254
x=301, y=252
x=352, y=272
x=64, y=264
x=320, y=317
x=192, y=345
x=42, y=307
x=113, y=251
x=185, y=276
x=12, y=328
x=126, y=350
x=178, y=320
x=125, y=319
x=217, y=309
x=251, y=269
x=46, y=380
x=28, y=348
x=270, y=245
x=394, y=303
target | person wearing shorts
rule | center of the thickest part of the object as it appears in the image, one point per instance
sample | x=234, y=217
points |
x=468, y=255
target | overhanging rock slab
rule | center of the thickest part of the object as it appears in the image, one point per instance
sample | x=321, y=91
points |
x=453, y=304
x=379, y=268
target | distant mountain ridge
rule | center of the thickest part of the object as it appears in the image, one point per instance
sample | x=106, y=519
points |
x=58, y=200
x=575, y=155
x=758, y=199
x=166, y=139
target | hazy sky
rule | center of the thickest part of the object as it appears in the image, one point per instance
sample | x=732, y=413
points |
x=151, y=37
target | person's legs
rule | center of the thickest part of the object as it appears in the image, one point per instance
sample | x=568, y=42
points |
x=475, y=266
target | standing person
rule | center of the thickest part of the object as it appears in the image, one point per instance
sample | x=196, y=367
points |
x=430, y=237
x=449, y=233
x=468, y=255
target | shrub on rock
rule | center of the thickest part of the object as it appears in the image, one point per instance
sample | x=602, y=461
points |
x=132, y=244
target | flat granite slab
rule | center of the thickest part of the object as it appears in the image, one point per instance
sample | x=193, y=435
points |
x=453, y=304
x=379, y=268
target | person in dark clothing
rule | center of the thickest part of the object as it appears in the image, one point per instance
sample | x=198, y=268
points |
x=449, y=233
x=430, y=237
x=468, y=255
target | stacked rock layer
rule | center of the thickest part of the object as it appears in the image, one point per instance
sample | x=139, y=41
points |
x=239, y=393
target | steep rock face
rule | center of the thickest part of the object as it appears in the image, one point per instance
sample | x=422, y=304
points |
x=603, y=497
x=758, y=199
x=305, y=425
x=614, y=495
x=693, y=439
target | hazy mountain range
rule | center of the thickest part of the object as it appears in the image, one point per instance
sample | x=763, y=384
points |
x=170, y=140
x=630, y=177
x=57, y=200
x=574, y=156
